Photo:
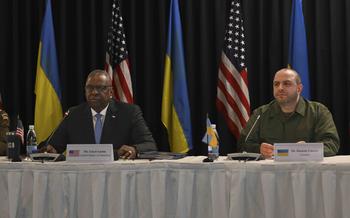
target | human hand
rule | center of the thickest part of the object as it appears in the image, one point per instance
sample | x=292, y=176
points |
x=48, y=149
x=127, y=152
x=266, y=150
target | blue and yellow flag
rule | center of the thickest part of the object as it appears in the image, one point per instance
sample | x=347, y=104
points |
x=282, y=152
x=210, y=136
x=175, y=106
x=298, y=55
x=48, y=109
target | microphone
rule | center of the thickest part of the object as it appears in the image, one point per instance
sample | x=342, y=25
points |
x=245, y=156
x=251, y=129
x=256, y=121
x=50, y=156
x=46, y=142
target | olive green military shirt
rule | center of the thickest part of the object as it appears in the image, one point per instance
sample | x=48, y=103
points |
x=311, y=122
x=4, y=128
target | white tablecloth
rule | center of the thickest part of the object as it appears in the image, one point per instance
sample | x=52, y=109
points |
x=182, y=188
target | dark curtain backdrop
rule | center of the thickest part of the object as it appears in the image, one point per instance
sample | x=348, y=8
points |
x=81, y=27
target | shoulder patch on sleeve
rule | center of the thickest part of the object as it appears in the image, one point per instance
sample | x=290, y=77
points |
x=4, y=116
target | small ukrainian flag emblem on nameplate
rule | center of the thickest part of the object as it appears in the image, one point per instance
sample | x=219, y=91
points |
x=282, y=152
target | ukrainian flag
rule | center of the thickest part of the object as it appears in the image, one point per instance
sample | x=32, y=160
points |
x=48, y=109
x=298, y=55
x=175, y=106
x=282, y=152
x=210, y=136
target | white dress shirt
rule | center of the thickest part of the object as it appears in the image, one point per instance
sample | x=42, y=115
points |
x=103, y=113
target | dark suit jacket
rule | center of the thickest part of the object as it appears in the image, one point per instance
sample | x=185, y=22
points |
x=123, y=125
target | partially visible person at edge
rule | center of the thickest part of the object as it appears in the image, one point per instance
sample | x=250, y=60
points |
x=4, y=128
x=122, y=124
x=289, y=118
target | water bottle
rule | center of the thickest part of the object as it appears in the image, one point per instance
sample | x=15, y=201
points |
x=31, y=141
x=213, y=150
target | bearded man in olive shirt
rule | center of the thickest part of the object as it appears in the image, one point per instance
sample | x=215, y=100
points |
x=289, y=118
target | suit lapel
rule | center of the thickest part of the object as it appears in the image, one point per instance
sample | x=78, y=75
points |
x=111, y=115
x=88, y=125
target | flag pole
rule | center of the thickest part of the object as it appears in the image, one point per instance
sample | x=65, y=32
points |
x=206, y=124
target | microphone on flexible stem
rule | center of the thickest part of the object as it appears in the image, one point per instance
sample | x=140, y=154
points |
x=45, y=143
x=49, y=156
x=244, y=156
x=251, y=129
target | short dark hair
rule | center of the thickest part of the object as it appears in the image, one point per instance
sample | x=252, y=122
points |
x=97, y=72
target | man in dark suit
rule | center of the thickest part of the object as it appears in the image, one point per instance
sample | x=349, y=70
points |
x=102, y=120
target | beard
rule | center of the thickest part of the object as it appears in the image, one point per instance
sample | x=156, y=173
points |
x=288, y=100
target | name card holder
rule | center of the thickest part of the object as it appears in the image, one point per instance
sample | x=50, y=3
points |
x=89, y=153
x=298, y=151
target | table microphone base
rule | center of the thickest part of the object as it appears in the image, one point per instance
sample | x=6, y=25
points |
x=245, y=156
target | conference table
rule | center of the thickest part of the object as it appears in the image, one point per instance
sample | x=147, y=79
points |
x=176, y=188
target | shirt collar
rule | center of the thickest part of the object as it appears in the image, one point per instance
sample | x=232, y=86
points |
x=300, y=108
x=103, y=112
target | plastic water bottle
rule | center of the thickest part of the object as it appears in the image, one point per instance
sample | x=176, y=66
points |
x=213, y=150
x=31, y=141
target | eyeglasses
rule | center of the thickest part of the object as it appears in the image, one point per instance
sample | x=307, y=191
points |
x=90, y=88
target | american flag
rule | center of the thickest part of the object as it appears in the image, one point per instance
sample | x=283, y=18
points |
x=74, y=153
x=20, y=129
x=232, y=90
x=117, y=63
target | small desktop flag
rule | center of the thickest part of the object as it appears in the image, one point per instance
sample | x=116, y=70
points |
x=210, y=136
x=20, y=130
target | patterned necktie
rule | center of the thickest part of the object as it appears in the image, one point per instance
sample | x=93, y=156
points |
x=98, y=128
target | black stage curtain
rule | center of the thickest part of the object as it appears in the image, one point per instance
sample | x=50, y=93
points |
x=81, y=28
